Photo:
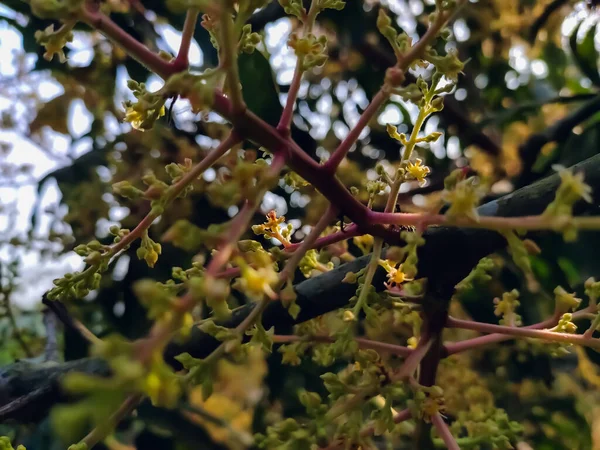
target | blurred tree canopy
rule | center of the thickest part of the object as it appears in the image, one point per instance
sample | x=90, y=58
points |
x=525, y=101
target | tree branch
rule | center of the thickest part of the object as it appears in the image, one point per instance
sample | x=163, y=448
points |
x=449, y=254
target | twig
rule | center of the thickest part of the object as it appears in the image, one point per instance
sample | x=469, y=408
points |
x=557, y=132
x=383, y=347
x=288, y=111
x=546, y=335
x=181, y=61
x=102, y=430
x=444, y=432
x=228, y=55
x=63, y=315
x=414, y=359
x=539, y=22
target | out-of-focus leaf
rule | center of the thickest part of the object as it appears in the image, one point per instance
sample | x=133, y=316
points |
x=259, y=88
x=585, y=54
x=53, y=114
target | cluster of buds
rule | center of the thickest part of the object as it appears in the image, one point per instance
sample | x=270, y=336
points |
x=148, y=250
x=310, y=263
x=248, y=40
x=506, y=307
x=400, y=42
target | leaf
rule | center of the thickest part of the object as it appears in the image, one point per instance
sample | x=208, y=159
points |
x=259, y=88
x=585, y=54
x=53, y=114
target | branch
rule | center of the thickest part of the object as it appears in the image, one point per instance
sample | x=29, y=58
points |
x=557, y=132
x=444, y=432
x=383, y=347
x=181, y=61
x=449, y=254
x=543, y=18
x=229, y=61
x=546, y=335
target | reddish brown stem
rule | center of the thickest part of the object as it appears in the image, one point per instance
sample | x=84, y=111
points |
x=480, y=341
x=546, y=335
x=383, y=347
x=340, y=153
x=136, y=49
x=412, y=362
x=444, y=432
x=181, y=61
x=288, y=112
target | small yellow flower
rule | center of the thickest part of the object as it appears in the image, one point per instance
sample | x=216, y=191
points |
x=574, y=185
x=418, y=171
x=396, y=275
x=258, y=282
x=271, y=229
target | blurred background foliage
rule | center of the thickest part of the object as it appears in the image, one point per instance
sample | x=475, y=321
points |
x=528, y=99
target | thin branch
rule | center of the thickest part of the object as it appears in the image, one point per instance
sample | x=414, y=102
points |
x=173, y=191
x=134, y=48
x=540, y=21
x=101, y=431
x=63, y=315
x=411, y=363
x=444, y=432
x=181, y=61
x=228, y=54
x=529, y=223
x=287, y=272
x=349, y=231
x=288, y=111
x=340, y=153
x=546, y=335
x=495, y=338
x=557, y=132
x=383, y=347
x=404, y=62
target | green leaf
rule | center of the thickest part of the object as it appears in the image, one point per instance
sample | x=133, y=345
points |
x=259, y=88
x=585, y=54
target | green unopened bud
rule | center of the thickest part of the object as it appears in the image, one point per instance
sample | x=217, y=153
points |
x=125, y=189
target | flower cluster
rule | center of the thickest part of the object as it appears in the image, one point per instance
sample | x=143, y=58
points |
x=146, y=110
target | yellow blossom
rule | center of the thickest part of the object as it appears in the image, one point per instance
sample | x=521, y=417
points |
x=418, y=171
x=258, y=282
x=396, y=275
x=271, y=228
